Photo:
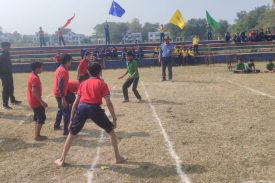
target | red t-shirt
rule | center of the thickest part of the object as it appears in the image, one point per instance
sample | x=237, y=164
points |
x=83, y=67
x=93, y=90
x=73, y=86
x=33, y=81
x=60, y=73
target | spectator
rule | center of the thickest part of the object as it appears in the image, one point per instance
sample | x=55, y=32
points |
x=270, y=66
x=124, y=52
x=156, y=51
x=196, y=41
x=107, y=33
x=60, y=37
x=161, y=30
x=250, y=67
x=261, y=35
x=268, y=35
x=227, y=37
x=140, y=53
x=209, y=34
x=114, y=53
x=243, y=37
x=237, y=38
x=41, y=37
x=240, y=67
x=7, y=76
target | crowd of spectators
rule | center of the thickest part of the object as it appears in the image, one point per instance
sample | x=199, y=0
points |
x=252, y=36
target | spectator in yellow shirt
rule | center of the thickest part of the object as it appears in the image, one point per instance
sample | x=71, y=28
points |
x=196, y=41
x=156, y=51
x=161, y=30
x=190, y=56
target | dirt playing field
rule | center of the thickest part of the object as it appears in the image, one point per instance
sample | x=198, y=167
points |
x=208, y=126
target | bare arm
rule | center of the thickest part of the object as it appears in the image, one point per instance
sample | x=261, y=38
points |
x=38, y=97
x=78, y=71
x=123, y=75
x=111, y=109
x=74, y=107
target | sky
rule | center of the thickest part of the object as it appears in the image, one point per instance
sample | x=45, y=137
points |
x=26, y=16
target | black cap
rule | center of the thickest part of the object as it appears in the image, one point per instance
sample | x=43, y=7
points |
x=4, y=44
x=36, y=65
x=130, y=53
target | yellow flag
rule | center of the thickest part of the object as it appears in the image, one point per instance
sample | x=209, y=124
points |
x=177, y=19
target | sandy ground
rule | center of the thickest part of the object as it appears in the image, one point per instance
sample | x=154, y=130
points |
x=221, y=127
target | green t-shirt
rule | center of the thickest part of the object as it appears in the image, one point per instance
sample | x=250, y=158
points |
x=251, y=65
x=240, y=66
x=131, y=67
x=270, y=66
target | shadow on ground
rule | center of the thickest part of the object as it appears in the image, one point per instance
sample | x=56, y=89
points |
x=151, y=170
x=14, y=144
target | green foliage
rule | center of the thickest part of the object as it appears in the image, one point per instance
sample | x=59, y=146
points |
x=247, y=21
x=149, y=27
x=220, y=32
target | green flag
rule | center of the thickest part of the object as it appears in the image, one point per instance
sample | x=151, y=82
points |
x=212, y=22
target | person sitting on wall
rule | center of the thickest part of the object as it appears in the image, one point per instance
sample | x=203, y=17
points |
x=270, y=67
x=184, y=53
x=240, y=67
x=140, y=53
x=177, y=55
x=268, y=35
x=123, y=53
x=227, y=37
x=237, y=38
x=190, y=56
x=114, y=53
x=156, y=52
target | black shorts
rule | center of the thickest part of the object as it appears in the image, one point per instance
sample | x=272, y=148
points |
x=39, y=115
x=89, y=111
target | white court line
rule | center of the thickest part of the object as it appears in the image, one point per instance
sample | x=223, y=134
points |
x=170, y=147
x=90, y=173
x=251, y=89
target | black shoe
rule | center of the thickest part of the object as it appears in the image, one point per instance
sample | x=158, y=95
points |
x=7, y=107
x=65, y=133
x=57, y=128
x=16, y=102
x=163, y=80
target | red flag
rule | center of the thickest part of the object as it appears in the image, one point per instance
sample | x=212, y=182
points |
x=68, y=22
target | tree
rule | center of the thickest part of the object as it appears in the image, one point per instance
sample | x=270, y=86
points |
x=149, y=27
x=269, y=20
x=135, y=25
x=247, y=21
x=219, y=33
x=174, y=31
x=195, y=27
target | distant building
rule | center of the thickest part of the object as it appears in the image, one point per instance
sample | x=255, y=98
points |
x=74, y=38
x=155, y=36
x=5, y=37
x=132, y=37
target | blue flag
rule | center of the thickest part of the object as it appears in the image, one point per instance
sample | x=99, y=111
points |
x=116, y=10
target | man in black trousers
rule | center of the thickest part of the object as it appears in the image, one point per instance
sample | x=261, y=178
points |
x=6, y=76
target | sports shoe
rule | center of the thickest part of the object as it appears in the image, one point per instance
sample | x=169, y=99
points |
x=16, y=102
x=7, y=107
